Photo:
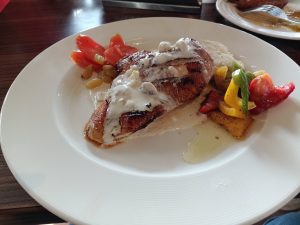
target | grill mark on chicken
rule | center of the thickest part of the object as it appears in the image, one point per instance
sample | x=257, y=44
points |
x=124, y=64
x=181, y=90
x=133, y=121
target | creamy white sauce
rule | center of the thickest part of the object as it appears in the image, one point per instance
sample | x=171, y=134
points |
x=164, y=46
x=206, y=76
x=162, y=72
x=219, y=53
x=98, y=94
x=183, y=49
x=183, y=117
x=129, y=93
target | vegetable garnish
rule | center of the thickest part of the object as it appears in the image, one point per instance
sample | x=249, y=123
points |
x=211, y=103
x=95, y=53
x=96, y=59
x=230, y=111
x=117, y=49
x=242, y=79
x=232, y=98
x=239, y=94
x=246, y=92
x=220, y=76
x=265, y=94
x=79, y=58
x=235, y=67
x=89, y=47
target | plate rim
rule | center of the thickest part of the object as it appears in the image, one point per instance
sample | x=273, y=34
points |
x=249, y=26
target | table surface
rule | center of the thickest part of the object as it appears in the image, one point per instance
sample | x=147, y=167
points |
x=30, y=26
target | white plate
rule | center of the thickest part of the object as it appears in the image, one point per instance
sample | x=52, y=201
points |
x=230, y=12
x=146, y=181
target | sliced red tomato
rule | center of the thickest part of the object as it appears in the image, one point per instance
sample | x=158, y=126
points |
x=128, y=50
x=119, y=49
x=265, y=94
x=89, y=47
x=116, y=40
x=260, y=87
x=79, y=58
x=112, y=55
x=211, y=103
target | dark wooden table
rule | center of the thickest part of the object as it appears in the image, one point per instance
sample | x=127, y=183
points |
x=27, y=27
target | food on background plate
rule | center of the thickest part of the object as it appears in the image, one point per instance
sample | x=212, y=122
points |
x=248, y=4
x=263, y=19
x=145, y=86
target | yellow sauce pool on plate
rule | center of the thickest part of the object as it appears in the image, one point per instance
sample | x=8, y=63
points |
x=209, y=141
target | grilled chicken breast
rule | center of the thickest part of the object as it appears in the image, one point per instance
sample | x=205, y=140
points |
x=149, y=84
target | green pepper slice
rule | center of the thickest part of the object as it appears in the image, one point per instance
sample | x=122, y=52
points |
x=242, y=79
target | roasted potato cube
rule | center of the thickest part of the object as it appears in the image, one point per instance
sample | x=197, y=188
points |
x=235, y=126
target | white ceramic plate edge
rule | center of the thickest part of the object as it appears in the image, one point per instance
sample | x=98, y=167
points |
x=229, y=12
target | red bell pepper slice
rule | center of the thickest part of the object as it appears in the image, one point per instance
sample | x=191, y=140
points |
x=211, y=103
x=265, y=94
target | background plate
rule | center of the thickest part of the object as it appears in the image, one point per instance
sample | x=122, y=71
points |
x=230, y=12
x=146, y=181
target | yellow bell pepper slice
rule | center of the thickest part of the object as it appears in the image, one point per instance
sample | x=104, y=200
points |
x=230, y=111
x=231, y=95
x=232, y=99
x=220, y=75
